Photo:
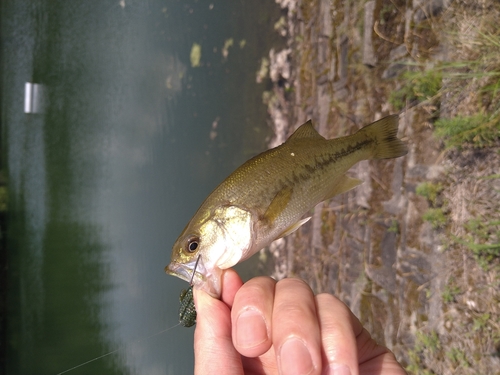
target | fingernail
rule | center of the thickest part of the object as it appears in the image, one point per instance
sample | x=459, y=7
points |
x=295, y=358
x=336, y=370
x=251, y=329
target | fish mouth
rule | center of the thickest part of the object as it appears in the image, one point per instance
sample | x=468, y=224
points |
x=182, y=271
x=210, y=282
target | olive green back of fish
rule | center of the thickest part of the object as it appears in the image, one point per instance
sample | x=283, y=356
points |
x=187, y=311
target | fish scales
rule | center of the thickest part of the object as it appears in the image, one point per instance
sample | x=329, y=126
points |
x=266, y=197
x=315, y=176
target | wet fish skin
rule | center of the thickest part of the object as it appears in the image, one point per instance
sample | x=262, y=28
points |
x=266, y=198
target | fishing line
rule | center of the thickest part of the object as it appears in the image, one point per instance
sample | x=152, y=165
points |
x=117, y=350
x=194, y=270
x=139, y=340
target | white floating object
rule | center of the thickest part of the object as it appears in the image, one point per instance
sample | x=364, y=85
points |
x=33, y=98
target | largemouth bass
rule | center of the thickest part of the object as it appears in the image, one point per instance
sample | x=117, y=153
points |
x=267, y=197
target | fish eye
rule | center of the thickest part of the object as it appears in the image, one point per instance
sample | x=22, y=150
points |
x=192, y=244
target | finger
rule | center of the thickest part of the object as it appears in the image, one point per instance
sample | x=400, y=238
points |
x=295, y=328
x=231, y=283
x=376, y=359
x=251, y=316
x=212, y=337
x=339, y=328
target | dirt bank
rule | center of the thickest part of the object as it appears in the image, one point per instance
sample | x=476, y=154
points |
x=415, y=250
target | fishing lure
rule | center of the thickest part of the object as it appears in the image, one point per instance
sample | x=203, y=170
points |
x=187, y=311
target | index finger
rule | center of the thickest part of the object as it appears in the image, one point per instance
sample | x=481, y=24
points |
x=212, y=336
x=231, y=283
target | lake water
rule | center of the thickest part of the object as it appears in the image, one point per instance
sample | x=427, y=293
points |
x=111, y=140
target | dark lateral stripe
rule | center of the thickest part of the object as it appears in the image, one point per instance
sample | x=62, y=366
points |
x=335, y=157
x=307, y=170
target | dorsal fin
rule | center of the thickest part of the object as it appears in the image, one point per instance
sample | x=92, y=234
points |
x=305, y=130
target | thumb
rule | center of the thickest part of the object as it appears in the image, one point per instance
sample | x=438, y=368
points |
x=214, y=352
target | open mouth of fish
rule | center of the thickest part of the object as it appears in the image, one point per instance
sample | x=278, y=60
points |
x=193, y=272
x=196, y=274
x=182, y=271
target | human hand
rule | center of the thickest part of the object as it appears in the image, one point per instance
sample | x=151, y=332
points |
x=269, y=327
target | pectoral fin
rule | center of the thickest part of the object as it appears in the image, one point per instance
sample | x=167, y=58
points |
x=292, y=228
x=346, y=184
x=278, y=204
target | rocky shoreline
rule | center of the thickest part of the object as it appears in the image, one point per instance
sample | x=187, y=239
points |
x=371, y=247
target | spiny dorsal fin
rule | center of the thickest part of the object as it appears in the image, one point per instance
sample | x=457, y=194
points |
x=278, y=204
x=305, y=130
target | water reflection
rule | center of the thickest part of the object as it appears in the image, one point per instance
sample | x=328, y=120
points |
x=104, y=178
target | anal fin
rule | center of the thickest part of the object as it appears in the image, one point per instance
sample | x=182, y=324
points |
x=346, y=183
x=292, y=228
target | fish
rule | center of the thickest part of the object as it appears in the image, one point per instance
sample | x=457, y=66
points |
x=268, y=196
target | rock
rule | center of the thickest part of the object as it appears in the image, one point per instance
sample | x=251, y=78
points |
x=363, y=192
x=279, y=64
x=396, y=203
x=278, y=251
x=398, y=62
x=326, y=22
x=425, y=9
x=291, y=5
x=415, y=265
x=398, y=53
x=369, y=57
x=383, y=277
x=343, y=56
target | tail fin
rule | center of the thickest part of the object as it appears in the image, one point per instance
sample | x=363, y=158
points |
x=384, y=134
